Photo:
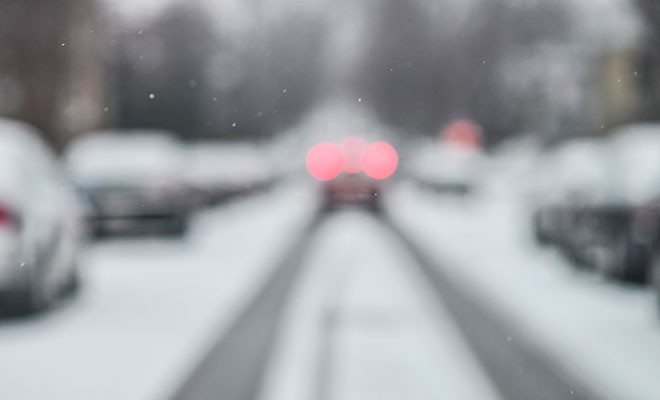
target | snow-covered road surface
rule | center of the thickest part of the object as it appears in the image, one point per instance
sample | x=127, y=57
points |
x=362, y=324
x=599, y=334
x=150, y=309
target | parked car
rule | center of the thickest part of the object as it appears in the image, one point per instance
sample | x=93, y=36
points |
x=654, y=273
x=599, y=203
x=571, y=178
x=134, y=180
x=447, y=168
x=627, y=215
x=217, y=171
x=41, y=223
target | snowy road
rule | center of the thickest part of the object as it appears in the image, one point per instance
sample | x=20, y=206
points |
x=601, y=339
x=267, y=299
x=151, y=309
x=362, y=324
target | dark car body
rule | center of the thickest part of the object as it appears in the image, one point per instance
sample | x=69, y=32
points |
x=352, y=190
x=136, y=209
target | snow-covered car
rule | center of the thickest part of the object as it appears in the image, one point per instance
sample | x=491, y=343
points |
x=447, y=168
x=216, y=171
x=570, y=180
x=41, y=223
x=353, y=174
x=601, y=207
x=633, y=204
x=654, y=274
x=134, y=181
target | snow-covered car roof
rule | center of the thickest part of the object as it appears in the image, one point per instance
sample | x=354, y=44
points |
x=16, y=136
x=577, y=167
x=635, y=161
x=20, y=145
x=446, y=162
x=125, y=156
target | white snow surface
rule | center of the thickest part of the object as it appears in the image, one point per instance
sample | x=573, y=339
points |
x=150, y=309
x=363, y=325
x=121, y=157
x=599, y=333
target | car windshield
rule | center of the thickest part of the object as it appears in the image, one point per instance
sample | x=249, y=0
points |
x=330, y=199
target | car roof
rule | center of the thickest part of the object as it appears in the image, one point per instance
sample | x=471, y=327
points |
x=109, y=156
x=20, y=146
x=16, y=136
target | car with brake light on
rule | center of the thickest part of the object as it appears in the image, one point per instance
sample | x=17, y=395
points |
x=42, y=225
x=134, y=181
x=353, y=172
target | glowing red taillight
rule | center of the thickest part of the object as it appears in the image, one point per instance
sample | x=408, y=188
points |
x=463, y=132
x=379, y=160
x=325, y=161
x=6, y=216
x=353, y=147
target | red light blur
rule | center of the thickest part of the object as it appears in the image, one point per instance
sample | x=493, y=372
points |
x=353, y=147
x=325, y=161
x=6, y=216
x=463, y=132
x=379, y=160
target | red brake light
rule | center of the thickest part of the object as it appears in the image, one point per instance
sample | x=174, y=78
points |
x=6, y=216
x=325, y=161
x=353, y=147
x=463, y=132
x=379, y=160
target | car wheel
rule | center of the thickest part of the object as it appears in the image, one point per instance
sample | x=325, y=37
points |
x=540, y=235
x=180, y=226
x=627, y=261
x=27, y=300
x=72, y=284
x=637, y=263
x=609, y=257
x=654, y=275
